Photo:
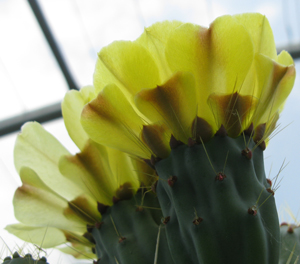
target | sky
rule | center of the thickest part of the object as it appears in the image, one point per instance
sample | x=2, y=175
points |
x=30, y=78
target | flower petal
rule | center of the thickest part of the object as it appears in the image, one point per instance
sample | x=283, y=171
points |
x=72, y=106
x=110, y=120
x=261, y=33
x=36, y=205
x=285, y=58
x=128, y=65
x=78, y=251
x=276, y=82
x=83, y=208
x=122, y=169
x=46, y=237
x=173, y=103
x=39, y=150
x=90, y=169
x=154, y=39
x=146, y=175
x=233, y=111
x=157, y=138
x=218, y=57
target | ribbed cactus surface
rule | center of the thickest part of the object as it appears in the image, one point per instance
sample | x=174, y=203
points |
x=219, y=204
x=131, y=233
x=213, y=204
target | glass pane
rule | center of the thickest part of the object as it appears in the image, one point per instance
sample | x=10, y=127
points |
x=29, y=75
x=83, y=27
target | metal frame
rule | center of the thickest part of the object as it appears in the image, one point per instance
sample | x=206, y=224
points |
x=54, y=111
x=53, y=44
x=40, y=115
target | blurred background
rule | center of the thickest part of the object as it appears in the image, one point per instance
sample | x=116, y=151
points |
x=37, y=70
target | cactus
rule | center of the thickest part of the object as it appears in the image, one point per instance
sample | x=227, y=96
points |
x=290, y=244
x=171, y=139
x=27, y=259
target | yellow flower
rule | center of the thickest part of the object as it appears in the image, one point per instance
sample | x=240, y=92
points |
x=188, y=81
x=62, y=193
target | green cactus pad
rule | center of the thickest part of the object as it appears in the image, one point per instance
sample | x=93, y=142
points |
x=290, y=244
x=128, y=233
x=218, y=213
x=27, y=259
